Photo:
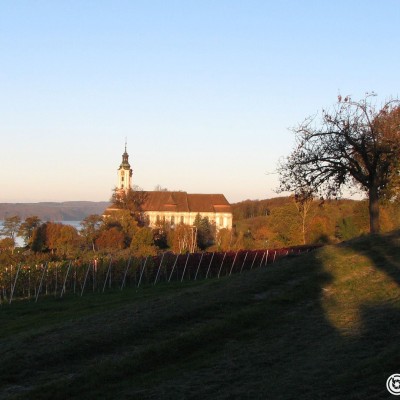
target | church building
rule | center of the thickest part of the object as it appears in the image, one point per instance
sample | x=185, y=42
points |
x=176, y=207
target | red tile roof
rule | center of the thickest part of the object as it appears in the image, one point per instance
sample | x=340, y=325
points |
x=184, y=202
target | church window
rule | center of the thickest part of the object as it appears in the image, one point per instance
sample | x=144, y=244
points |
x=157, y=219
x=182, y=219
x=172, y=220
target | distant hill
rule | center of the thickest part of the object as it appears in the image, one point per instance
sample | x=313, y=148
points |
x=49, y=211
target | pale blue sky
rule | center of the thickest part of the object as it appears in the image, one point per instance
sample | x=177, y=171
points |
x=204, y=91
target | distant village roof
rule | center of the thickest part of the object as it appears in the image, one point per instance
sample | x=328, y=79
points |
x=185, y=202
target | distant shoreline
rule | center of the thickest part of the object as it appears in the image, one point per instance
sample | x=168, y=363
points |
x=54, y=211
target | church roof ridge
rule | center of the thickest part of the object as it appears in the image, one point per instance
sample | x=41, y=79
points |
x=185, y=202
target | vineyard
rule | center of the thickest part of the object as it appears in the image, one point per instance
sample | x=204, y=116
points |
x=68, y=277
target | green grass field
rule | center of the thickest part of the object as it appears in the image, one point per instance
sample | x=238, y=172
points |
x=325, y=325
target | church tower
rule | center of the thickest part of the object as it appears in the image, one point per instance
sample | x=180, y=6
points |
x=124, y=173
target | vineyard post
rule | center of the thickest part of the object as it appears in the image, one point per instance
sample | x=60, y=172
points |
x=84, y=281
x=173, y=268
x=241, y=268
x=126, y=271
x=109, y=278
x=141, y=273
x=29, y=282
x=15, y=282
x=220, y=268
x=274, y=257
x=254, y=259
x=74, y=274
x=47, y=279
x=11, y=268
x=107, y=274
x=209, y=265
x=184, y=269
x=65, y=279
x=198, y=267
x=230, y=272
x=159, y=267
x=266, y=258
x=262, y=259
x=94, y=269
x=41, y=282
x=55, y=289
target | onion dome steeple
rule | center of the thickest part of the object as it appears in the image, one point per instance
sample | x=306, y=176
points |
x=124, y=172
x=125, y=162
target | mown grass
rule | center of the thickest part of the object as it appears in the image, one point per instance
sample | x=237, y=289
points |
x=319, y=326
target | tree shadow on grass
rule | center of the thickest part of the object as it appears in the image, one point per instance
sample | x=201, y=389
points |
x=317, y=340
x=382, y=250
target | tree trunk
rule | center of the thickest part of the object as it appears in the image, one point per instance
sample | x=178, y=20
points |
x=374, y=210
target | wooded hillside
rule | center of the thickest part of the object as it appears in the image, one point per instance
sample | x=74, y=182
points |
x=279, y=221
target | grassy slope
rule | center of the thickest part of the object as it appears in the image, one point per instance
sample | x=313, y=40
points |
x=318, y=326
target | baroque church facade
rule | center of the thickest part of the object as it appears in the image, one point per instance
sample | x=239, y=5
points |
x=176, y=207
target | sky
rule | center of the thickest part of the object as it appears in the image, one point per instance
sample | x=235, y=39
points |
x=204, y=92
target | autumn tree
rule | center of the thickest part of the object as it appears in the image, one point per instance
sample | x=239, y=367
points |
x=91, y=229
x=142, y=243
x=111, y=239
x=162, y=234
x=388, y=122
x=68, y=239
x=123, y=221
x=11, y=226
x=27, y=227
x=224, y=239
x=356, y=144
x=205, y=232
x=60, y=238
x=183, y=239
x=56, y=237
x=6, y=244
x=131, y=200
x=38, y=241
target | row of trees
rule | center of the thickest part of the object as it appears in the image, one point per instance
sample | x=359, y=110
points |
x=287, y=223
x=121, y=230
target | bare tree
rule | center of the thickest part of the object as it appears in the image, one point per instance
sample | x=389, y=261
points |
x=355, y=144
x=304, y=201
x=159, y=188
